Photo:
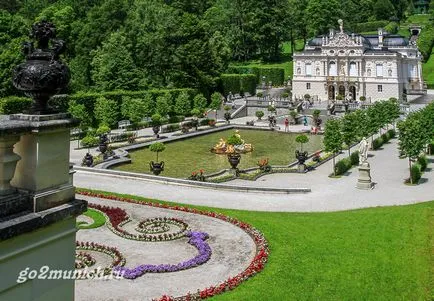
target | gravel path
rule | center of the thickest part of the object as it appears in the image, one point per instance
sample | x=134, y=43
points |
x=232, y=251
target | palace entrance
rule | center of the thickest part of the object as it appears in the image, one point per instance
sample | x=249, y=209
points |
x=331, y=92
x=352, y=94
x=342, y=91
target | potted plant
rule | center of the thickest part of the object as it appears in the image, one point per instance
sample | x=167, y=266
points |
x=300, y=154
x=271, y=109
x=156, y=123
x=212, y=122
x=264, y=165
x=285, y=95
x=234, y=157
x=157, y=167
x=259, y=114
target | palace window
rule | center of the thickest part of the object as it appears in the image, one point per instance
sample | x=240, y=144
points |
x=380, y=88
x=308, y=69
x=333, y=70
x=380, y=70
x=307, y=86
x=353, y=69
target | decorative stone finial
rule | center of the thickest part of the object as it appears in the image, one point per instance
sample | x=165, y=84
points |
x=43, y=74
x=341, y=25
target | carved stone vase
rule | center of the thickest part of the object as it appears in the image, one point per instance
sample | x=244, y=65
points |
x=43, y=74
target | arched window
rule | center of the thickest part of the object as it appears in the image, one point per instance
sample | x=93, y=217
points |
x=353, y=69
x=333, y=70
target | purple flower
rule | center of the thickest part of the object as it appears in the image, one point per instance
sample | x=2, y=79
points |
x=196, y=239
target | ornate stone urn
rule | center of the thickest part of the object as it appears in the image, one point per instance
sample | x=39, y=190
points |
x=156, y=130
x=88, y=160
x=43, y=74
x=103, y=145
x=301, y=156
x=156, y=167
x=234, y=159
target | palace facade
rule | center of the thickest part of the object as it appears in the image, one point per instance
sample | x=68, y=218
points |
x=349, y=65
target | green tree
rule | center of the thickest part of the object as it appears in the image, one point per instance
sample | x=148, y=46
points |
x=199, y=102
x=302, y=139
x=157, y=147
x=162, y=106
x=216, y=103
x=106, y=112
x=183, y=104
x=79, y=111
x=113, y=66
x=333, y=139
x=384, y=10
x=322, y=15
x=348, y=130
x=133, y=109
x=411, y=139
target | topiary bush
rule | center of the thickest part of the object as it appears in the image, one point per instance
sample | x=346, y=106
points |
x=342, y=166
x=377, y=143
x=385, y=137
x=423, y=162
x=89, y=141
x=416, y=173
x=259, y=114
x=354, y=158
x=392, y=133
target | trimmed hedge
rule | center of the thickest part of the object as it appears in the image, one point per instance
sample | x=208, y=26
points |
x=369, y=26
x=391, y=133
x=275, y=75
x=238, y=83
x=14, y=104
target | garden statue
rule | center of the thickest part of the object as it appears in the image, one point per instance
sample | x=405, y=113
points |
x=43, y=74
x=363, y=150
x=364, y=181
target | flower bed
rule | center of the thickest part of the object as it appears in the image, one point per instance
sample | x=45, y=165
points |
x=83, y=260
x=118, y=258
x=257, y=264
x=197, y=239
x=118, y=217
x=160, y=225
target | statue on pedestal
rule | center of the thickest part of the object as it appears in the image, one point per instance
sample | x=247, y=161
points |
x=363, y=151
x=364, y=181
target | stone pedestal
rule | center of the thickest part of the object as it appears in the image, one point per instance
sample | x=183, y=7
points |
x=301, y=168
x=43, y=170
x=364, y=181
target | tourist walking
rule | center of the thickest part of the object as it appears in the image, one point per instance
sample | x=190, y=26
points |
x=304, y=120
x=286, y=125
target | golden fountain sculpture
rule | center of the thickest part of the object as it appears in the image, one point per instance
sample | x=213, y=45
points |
x=223, y=148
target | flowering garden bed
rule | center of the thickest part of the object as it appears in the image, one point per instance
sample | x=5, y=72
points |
x=196, y=239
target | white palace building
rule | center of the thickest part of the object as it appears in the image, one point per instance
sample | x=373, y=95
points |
x=353, y=65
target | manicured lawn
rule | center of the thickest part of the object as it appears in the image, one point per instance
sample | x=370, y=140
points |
x=428, y=71
x=371, y=254
x=183, y=157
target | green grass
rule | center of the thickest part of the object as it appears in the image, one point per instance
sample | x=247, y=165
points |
x=183, y=157
x=384, y=253
x=428, y=71
x=98, y=219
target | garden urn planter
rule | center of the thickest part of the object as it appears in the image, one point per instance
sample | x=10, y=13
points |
x=156, y=167
x=234, y=159
x=43, y=74
x=156, y=130
x=227, y=117
x=301, y=157
x=103, y=145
